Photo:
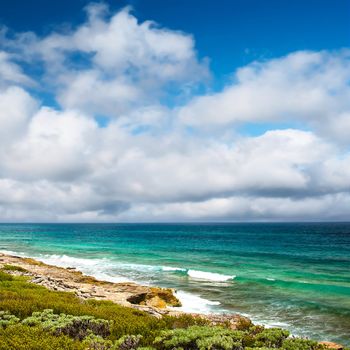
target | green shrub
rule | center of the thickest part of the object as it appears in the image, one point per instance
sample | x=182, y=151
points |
x=22, y=299
x=73, y=323
x=184, y=321
x=128, y=342
x=6, y=319
x=244, y=324
x=301, y=344
x=5, y=276
x=95, y=342
x=77, y=327
x=201, y=338
x=21, y=337
x=7, y=267
x=271, y=338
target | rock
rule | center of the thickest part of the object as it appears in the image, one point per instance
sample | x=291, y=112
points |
x=156, y=301
x=155, y=297
x=167, y=295
x=330, y=345
x=84, y=291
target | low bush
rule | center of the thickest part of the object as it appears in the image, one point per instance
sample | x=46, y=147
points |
x=77, y=327
x=21, y=299
x=5, y=277
x=271, y=338
x=201, y=338
x=6, y=319
x=95, y=342
x=7, y=267
x=72, y=323
x=21, y=337
x=301, y=344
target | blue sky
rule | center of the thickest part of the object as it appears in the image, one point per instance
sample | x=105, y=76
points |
x=231, y=33
x=174, y=110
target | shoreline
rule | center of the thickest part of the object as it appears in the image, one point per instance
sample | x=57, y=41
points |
x=155, y=301
x=192, y=303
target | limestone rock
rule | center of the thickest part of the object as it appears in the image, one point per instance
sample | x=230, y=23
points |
x=330, y=345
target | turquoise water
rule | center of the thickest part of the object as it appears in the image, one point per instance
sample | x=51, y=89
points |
x=296, y=276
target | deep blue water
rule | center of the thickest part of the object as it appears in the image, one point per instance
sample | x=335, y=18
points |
x=292, y=275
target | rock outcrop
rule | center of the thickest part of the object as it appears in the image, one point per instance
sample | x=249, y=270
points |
x=86, y=287
x=330, y=345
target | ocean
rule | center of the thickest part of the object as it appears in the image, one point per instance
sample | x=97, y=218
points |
x=290, y=275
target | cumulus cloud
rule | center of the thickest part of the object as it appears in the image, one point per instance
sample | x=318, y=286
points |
x=115, y=60
x=308, y=87
x=130, y=140
x=16, y=108
x=10, y=72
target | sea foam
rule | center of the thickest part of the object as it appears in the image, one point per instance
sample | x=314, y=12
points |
x=194, y=303
x=210, y=276
x=170, y=268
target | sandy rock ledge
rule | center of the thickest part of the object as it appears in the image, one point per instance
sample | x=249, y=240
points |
x=153, y=300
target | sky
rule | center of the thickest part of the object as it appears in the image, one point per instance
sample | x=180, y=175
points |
x=174, y=111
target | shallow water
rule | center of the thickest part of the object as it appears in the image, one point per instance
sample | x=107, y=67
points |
x=296, y=276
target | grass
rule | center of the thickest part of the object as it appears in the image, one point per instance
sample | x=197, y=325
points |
x=33, y=261
x=21, y=299
x=81, y=325
x=8, y=267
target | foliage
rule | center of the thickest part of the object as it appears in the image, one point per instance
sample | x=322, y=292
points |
x=200, y=337
x=7, y=267
x=95, y=342
x=21, y=337
x=5, y=276
x=77, y=327
x=6, y=319
x=128, y=342
x=271, y=338
x=184, y=321
x=219, y=338
x=22, y=299
x=244, y=324
x=40, y=319
x=301, y=344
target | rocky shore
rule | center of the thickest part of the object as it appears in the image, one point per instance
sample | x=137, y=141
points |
x=153, y=300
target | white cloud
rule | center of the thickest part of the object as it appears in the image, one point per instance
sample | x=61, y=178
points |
x=56, y=146
x=308, y=87
x=10, y=72
x=246, y=209
x=16, y=108
x=121, y=64
x=59, y=164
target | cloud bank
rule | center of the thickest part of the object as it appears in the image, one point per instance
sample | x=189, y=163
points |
x=114, y=120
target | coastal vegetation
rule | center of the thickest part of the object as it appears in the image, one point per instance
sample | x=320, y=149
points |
x=33, y=317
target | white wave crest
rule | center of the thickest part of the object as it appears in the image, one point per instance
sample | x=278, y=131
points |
x=170, y=268
x=210, y=276
x=97, y=268
x=194, y=303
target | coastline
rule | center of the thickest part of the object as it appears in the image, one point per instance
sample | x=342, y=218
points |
x=286, y=274
x=155, y=301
